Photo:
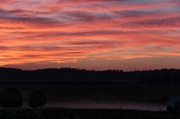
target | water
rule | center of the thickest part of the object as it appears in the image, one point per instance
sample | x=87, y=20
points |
x=90, y=104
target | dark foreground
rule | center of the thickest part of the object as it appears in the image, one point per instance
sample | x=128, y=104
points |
x=83, y=114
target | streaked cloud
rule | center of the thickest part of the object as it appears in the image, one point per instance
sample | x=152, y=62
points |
x=73, y=31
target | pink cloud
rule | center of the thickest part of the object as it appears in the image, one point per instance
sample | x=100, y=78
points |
x=71, y=31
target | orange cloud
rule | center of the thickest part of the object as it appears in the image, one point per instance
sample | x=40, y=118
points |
x=62, y=32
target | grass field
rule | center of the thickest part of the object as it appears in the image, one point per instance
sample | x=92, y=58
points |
x=83, y=114
x=100, y=91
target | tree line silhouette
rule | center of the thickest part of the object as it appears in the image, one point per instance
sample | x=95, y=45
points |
x=12, y=97
x=70, y=74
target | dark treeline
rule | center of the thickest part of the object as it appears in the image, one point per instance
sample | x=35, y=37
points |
x=70, y=74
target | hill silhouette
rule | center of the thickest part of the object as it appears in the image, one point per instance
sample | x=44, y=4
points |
x=161, y=76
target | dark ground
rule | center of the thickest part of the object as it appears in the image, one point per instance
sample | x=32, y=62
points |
x=83, y=114
x=100, y=91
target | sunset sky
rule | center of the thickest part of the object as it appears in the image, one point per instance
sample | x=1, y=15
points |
x=90, y=34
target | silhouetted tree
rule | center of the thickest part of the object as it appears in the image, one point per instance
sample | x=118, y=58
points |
x=11, y=97
x=37, y=99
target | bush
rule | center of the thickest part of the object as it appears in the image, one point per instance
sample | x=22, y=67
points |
x=11, y=97
x=37, y=99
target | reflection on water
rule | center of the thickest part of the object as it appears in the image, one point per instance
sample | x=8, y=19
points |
x=88, y=104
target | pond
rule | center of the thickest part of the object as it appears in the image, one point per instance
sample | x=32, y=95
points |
x=90, y=104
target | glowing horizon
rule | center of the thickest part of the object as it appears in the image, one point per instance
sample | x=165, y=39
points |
x=96, y=34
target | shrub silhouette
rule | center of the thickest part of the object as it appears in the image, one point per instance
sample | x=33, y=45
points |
x=11, y=97
x=37, y=99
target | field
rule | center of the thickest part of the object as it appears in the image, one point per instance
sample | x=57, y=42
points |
x=83, y=114
x=99, y=91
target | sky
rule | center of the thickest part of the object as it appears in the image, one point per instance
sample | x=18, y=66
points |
x=90, y=34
